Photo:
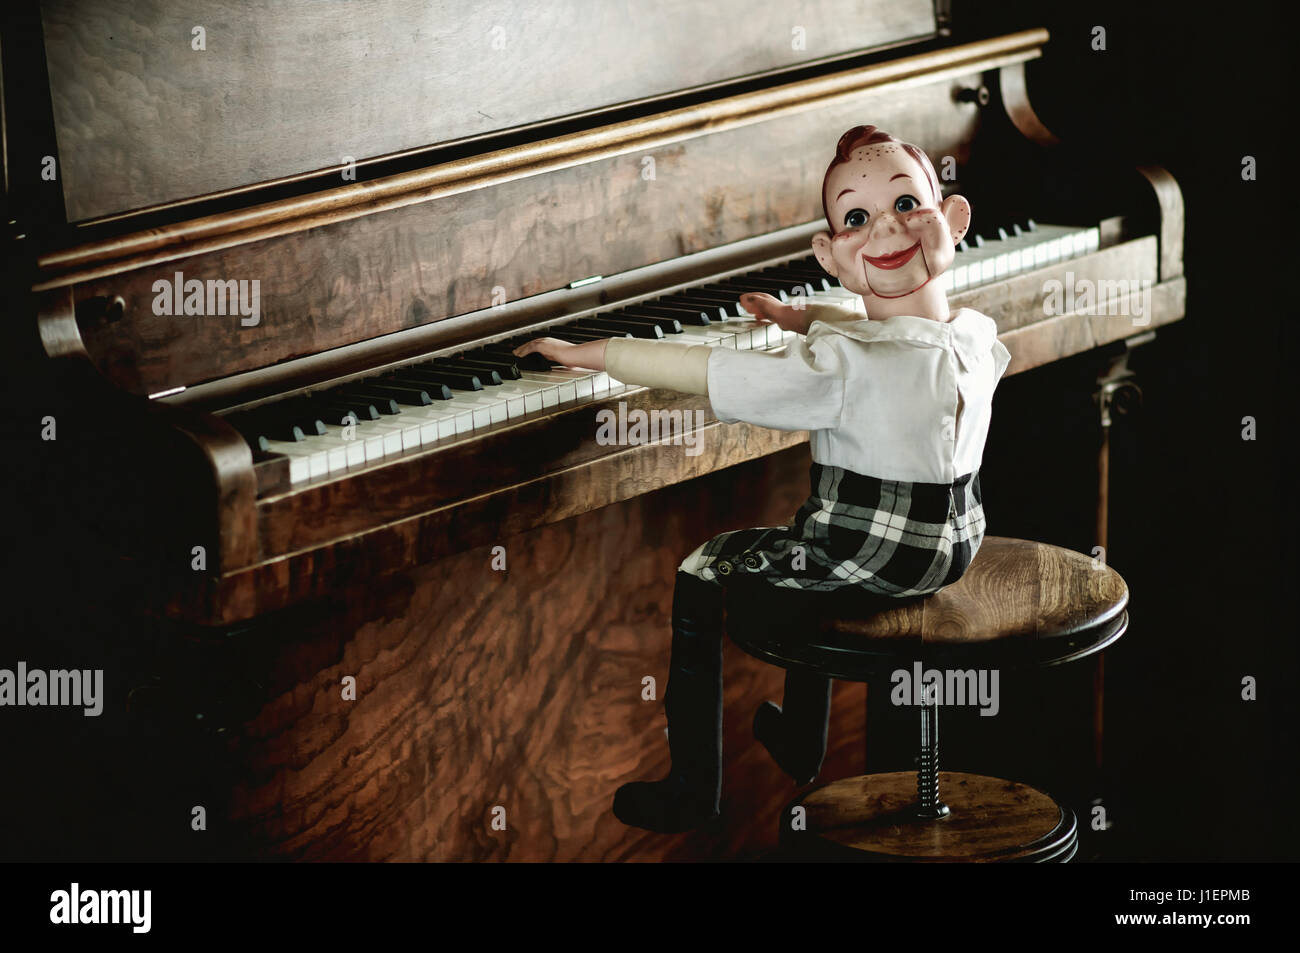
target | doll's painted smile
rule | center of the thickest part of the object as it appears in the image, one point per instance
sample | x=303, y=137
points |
x=894, y=260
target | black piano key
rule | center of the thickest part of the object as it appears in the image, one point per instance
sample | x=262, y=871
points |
x=667, y=325
x=633, y=328
x=334, y=411
x=457, y=380
x=506, y=369
x=799, y=277
x=715, y=307
x=739, y=288
x=699, y=293
x=963, y=245
x=488, y=377
x=1002, y=234
x=754, y=283
x=254, y=430
x=424, y=381
x=403, y=394
x=575, y=336
x=684, y=314
x=791, y=286
x=287, y=421
x=300, y=412
x=384, y=403
x=529, y=362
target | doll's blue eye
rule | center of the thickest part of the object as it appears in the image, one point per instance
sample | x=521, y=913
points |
x=906, y=203
x=856, y=218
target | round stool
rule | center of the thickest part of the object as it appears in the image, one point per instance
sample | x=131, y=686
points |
x=1020, y=604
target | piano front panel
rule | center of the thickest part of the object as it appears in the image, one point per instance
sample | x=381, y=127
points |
x=362, y=262
x=289, y=87
x=522, y=689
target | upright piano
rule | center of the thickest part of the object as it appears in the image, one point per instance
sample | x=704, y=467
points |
x=381, y=586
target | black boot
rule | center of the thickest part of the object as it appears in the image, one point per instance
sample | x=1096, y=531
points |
x=796, y=737
x=689, y=796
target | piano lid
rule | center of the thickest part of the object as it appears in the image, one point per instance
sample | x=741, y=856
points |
x=160, y=101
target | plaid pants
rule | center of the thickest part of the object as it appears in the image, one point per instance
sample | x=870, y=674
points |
x=878, y=538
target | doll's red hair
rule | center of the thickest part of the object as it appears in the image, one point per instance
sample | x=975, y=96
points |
x=860, y=136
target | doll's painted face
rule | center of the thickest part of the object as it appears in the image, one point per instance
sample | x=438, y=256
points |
x=891, y=236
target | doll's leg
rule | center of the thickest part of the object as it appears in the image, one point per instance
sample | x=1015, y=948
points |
x=795, y=734
x=690, y=795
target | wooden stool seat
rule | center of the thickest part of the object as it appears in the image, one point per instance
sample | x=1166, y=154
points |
x=1020, y=603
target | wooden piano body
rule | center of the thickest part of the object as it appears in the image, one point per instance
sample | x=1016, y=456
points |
x=344, y=658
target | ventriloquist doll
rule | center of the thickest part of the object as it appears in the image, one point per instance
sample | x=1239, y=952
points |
x=898, y=405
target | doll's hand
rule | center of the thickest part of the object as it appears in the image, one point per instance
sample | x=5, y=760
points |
x=590, y=354
x=932, y=230
x=767, y=309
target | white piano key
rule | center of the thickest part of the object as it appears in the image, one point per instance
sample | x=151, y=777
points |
x=548, y=389
x=566, y=383
x=480, y=414
x=352, y=448
x=518, y=400
x=299, y=459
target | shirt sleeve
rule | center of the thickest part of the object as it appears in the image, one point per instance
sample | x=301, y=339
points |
x=1001, y=358
x=830, y=312
x=802, y=389
x=670, y=364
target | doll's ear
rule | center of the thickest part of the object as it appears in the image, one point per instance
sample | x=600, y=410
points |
x=956, y=210
x=821, y=245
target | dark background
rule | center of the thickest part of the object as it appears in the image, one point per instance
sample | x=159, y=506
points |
x=1202, y=522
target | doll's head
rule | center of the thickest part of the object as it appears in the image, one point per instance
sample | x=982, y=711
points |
x=891, y=230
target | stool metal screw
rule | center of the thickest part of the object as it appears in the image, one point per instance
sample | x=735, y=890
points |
x=927, y=770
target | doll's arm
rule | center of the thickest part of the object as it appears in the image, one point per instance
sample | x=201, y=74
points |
x=796, y=316
x=590, y=354
x=680, y=367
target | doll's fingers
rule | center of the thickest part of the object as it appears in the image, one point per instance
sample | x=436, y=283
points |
x=543, y=346
x=760, y=305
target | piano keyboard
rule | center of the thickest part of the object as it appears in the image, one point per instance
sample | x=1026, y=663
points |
x=360, y=422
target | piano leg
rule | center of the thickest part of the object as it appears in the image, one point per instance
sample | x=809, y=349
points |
x=1117, y=393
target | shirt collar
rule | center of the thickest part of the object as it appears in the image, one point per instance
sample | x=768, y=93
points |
x=969, y=333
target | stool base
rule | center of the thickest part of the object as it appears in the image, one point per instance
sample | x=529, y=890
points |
x=873, y=818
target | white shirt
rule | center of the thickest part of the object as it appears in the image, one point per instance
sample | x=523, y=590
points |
x=905, y=398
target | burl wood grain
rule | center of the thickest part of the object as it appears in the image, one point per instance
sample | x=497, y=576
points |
x=521, y=689
x=1014, y=589
x=991, y=820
